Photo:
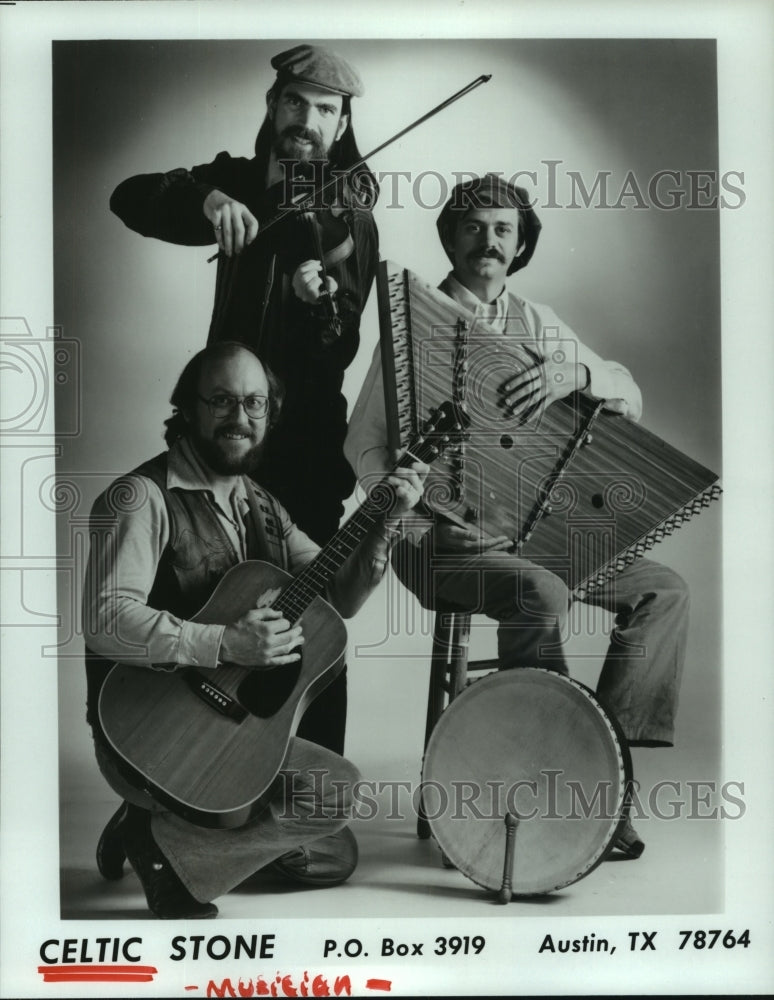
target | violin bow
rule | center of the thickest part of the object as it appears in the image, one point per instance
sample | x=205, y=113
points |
x=309, y=199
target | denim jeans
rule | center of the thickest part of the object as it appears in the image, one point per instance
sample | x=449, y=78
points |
x=640, y=678
x=312, y=798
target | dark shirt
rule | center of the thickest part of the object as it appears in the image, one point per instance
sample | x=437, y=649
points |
x=304, y=465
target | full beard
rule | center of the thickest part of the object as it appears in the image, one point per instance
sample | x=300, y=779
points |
x=286, y=149
x=221, y=462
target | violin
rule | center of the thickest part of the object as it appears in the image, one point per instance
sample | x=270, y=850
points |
x=331, y=242
x=318, y=233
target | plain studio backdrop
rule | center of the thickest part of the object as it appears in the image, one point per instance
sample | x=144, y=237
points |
x=639, y=284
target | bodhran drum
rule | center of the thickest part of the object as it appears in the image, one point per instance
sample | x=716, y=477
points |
x=538, y=746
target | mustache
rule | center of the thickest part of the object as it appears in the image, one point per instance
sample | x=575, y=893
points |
x=299, y=132
x=233, y=429
x=486, y=253
x=219, y=462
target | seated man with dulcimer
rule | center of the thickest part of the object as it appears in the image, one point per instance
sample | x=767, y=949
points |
x=489, y=230
x=218, y=653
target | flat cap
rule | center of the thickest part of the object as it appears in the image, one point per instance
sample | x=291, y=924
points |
x=492, y=191
x=320, y=67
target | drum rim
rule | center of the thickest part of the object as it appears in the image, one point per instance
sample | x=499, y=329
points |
x=496, y=677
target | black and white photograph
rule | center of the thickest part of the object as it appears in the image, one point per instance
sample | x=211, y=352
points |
x=386, y=549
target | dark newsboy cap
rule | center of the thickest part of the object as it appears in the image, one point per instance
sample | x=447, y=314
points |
x=320, y=67
x=491, y=191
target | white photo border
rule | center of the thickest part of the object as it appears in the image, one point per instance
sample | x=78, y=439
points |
x=28, y=836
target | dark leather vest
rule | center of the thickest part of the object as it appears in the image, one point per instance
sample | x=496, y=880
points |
x=198, y=554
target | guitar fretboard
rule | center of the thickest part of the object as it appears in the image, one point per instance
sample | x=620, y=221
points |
x=313, y=579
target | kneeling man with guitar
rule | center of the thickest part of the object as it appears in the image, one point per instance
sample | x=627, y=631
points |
x=210, y=625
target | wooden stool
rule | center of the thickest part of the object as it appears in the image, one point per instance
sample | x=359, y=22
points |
x=449, y=668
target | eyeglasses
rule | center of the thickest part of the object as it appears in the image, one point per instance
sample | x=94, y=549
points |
x=221, y=405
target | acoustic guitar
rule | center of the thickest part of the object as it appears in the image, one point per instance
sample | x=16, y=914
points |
x=208, y=744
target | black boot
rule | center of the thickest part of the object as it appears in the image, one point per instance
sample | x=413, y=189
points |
x=110, y=847
x=321, y=864
x=167, y=897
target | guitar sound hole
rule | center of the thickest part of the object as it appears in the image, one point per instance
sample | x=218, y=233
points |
x=264, y=692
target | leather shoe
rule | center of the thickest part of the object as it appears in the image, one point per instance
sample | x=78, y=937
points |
x=628, y=841
x=166, y=895
x=322, y=863
x=110, y=847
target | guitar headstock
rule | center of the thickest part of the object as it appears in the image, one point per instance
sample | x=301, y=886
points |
x=446, y=425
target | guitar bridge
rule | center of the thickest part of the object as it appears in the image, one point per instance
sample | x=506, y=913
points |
x=212, y=695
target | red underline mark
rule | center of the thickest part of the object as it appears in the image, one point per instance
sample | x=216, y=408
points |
x=379, y=984
x=97, y=973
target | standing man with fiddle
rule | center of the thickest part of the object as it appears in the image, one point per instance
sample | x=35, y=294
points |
x=272, y=291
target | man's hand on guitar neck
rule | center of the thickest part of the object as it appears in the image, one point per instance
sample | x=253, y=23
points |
x=261, y=638
x=408, y=482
